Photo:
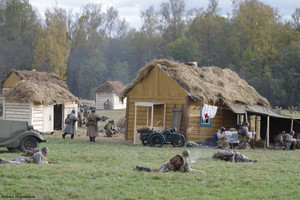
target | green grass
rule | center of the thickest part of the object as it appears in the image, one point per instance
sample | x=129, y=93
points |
x=103, y=170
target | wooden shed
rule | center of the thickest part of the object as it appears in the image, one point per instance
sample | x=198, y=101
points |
x=110, y=91
x=162, y=86
x=40, y=98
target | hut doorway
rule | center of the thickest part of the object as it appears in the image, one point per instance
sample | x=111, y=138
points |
x=149, y=114
x=58, y=116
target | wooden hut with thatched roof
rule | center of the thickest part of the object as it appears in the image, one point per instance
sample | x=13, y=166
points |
x=163, y=85
x=109, y=92
x=40, y=98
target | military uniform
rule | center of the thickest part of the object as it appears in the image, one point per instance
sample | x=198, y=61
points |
x=70, y=128
x=231, y=156
x=290, y=141
x=178, y=163
x=92, y=124
x=36, y=158
x=222, y=143
x=244, y=138
x=109, y=131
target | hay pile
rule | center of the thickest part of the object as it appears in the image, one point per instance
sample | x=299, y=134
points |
x=40, y=88
x=211, y=85
x=110, y=86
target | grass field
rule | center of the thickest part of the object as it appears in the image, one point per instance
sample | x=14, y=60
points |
x=103, y=170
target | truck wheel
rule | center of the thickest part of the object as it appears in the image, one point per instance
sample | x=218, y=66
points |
x=157, y=140
x=179, y=143
x=28, y=143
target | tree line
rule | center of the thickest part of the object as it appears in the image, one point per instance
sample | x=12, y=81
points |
x=94, y=45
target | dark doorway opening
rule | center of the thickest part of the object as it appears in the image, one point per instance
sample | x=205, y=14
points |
x=58, y=116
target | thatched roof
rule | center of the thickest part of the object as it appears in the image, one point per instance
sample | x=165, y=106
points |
x=39, y=87
x=211, y=85
x=110, y=86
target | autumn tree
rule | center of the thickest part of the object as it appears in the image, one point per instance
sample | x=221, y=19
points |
x=19, y=27
x=53, y=47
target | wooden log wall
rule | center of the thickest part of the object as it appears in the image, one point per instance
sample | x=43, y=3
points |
x=196, y=133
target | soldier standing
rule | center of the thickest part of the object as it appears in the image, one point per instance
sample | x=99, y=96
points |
x=177, y=163
x=92, y=124
x=222, y=143
x=70, y=127
x=244, y=137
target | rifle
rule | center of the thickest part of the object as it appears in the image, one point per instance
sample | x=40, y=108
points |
x=53, y=162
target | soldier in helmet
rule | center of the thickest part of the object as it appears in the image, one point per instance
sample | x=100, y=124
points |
x=290, y=141
x=232, y=156
x=109, y=128
x=222, y=143
x=70, y=127
x=32, y=156
x=178, y=163
x=244, y=137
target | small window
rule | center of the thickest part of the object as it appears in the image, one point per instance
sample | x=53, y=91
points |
x=204, y=121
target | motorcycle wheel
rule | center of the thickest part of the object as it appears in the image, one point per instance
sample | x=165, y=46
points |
x=179, y=143
x=157, y=140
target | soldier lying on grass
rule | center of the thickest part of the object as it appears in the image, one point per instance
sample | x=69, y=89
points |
x=178, y=163
x=33, y=156
x=232, y=156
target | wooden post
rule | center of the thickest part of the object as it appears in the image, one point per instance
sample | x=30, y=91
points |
x=292, y=123
x=268, y=130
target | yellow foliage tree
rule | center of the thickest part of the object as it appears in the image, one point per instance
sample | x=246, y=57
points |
x=52, y=49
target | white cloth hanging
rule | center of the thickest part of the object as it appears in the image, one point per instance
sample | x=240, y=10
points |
x=209, y=111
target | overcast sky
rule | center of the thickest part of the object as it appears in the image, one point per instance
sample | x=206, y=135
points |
x=131, y=9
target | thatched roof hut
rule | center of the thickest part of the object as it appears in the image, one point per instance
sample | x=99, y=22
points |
x=38, y=87
x=107, y=96
x=110, y=86
x=164, y=87
x=211, y=85
x=40, y=98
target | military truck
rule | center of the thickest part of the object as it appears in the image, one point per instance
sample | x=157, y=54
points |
x=18, y=135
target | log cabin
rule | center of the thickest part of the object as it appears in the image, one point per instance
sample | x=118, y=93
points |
x=164, y=86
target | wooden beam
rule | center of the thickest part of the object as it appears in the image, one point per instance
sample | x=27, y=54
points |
x=186, y=118
x=292, y=123
x=268, y=131
x=127, y=117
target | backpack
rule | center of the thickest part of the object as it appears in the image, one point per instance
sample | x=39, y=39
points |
x=241, y=131
x=68, y=120
x=105, y=127
x=176, y=163
x=91, y=119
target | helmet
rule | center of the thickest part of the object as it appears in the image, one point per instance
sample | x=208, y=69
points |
x=246, y=123
x=292, y=132
x=282, y=132
x=93, y=110
x=186, y=153
x=222, y=129
x=45, y=149
x=112, y=121
x=73, y=111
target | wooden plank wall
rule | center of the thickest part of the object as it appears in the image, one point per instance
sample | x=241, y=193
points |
x=155, y=87
x=196, y=133
x=17, y=111
x=37, y=117
x=117, y=104
x=101, y=98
